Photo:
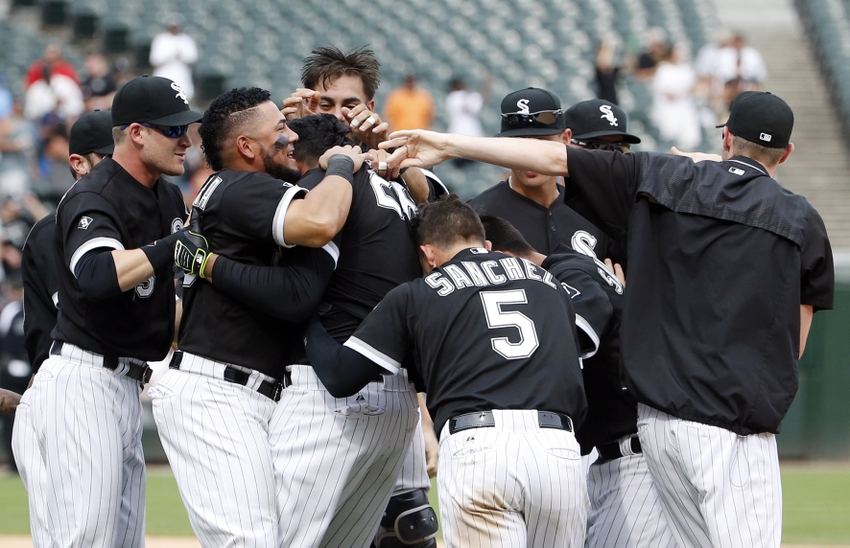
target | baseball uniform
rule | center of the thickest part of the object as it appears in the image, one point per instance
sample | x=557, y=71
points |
x=336, y=459
x=213, y=407
x=41, y=292
x=84, y=402
x=721, y=258
x=624, y=506
x=493, y=338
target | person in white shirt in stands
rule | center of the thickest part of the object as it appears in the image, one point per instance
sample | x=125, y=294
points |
x=462, y=109
x=173, y=53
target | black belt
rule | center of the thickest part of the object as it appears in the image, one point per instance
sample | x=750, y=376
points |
x=136, y=369
x=268, y=389
x=485, y=419
x=612, y=451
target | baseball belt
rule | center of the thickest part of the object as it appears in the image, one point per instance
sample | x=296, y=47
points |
x=130, y=367
x=235, y=374
x=485, y=419
x=615, y=449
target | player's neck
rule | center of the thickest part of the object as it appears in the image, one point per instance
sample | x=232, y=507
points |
x=134, y=165
x=544, y=194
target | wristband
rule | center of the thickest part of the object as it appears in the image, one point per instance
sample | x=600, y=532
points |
x=161, y=252
x=341, y=166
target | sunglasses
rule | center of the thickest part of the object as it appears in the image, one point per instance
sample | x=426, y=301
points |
x=603, y=145
x=546, y=117
x=172, y=132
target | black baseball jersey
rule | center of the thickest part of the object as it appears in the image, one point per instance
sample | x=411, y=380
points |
x=242, y=216
x=720, y=259
x=108, y=209
x=487, y=331
x=544, y=228
x=377, y=250
x=41, y=291
x=597, y=297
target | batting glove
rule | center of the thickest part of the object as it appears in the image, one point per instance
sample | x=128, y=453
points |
x=191, y=252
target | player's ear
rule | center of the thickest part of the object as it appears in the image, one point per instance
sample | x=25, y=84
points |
x=371, y=105
x=488, y=245
x=788, y=150
x=245, y=147
x=429, y=256
x=566, y=135
x=79, y=164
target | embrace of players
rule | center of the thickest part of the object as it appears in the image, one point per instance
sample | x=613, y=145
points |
x=344, y=327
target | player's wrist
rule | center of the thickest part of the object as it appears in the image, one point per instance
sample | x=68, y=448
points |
x=160, y=252
x=341, y=166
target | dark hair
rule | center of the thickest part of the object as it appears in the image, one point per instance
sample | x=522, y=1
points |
x=447, y=221
x=221, y=118
x=504, y=236
x=316, y=134
x=326, y=64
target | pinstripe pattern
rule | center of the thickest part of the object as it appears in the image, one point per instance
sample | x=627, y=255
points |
x=414, y=467
x=512, y=485
x=624, y=506
x=87, y=423
x=31, y=468
x=336, y=459
x=215, y=434
x=718, y=488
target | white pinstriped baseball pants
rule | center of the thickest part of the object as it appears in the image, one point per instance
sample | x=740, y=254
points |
x=717, y=488
x=414, y=468
x=514, y=484
x=624, y=507
x=86, y=421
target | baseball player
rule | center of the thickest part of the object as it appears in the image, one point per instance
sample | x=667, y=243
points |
x=726, y=269
x=624, y=505
x=214, y=406
x=493, y=339
x=115, y=230
x=90, y=141
x=531, y=201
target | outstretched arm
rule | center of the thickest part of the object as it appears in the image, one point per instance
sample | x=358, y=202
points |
x=8, y=402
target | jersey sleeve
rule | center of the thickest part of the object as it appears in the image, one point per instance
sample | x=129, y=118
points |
x=817, y=279
x=604, y=183
x=88, y=222
x=383, y=336
x=40, y=292
x=592, y=306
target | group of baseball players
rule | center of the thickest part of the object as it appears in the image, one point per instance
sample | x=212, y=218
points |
x=331, y=298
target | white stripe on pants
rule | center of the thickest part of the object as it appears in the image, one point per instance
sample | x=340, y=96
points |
x=514, y=484
x=88, y=429
x=624, y=506
x=215, y=434
x=336, y=459
x=718, y=488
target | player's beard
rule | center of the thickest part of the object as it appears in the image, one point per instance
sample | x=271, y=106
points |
x=275, y=169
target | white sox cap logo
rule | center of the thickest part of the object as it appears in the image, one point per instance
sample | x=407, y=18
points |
x=85, y=222
x=522, y=105
x=180, y=93
x=608, y=114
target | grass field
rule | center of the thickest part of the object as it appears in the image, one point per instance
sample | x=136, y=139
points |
x=816, y=505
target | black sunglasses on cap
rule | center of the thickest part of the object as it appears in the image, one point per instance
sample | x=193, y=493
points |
x=173, y=132
x=546, y=117
x=603, y=145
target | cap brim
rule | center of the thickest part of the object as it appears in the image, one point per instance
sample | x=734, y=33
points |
x=626, y=137
x=530, y=132
x=182, y=118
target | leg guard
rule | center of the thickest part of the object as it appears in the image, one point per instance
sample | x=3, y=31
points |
x=408, y=522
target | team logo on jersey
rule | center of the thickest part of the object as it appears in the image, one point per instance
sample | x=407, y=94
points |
x=145, y=289
x=180, y=93
x=176, y=224
x=608, y=114
x=85, y=223
x=522, y=105
x=571, y=291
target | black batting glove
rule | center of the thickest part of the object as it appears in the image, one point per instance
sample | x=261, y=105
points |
x=191, y=252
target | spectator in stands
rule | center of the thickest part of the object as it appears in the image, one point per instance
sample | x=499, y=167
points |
x=655, y=51
x=740, y=67
x=55, y=179
x=674, y=111
x=409, y=106
x=6, y=99
x=99, y=87
x=607, y=69
x=173, y=53
x=51, y=85
x=462, y=109
x=17, y=152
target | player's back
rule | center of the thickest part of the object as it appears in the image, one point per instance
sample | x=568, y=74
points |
x=377, y=250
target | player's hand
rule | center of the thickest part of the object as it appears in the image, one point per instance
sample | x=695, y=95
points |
x=617, y=270
x=351, y=151
x=191, y=252
x=366, y=125
x=302, y=102
x=417, y=148
x=378, y=159
x=432, y=450
x=697, y=156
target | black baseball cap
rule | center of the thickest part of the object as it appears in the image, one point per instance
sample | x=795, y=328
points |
x=531, y=112
x=154, y=100
x=762, y=118
x=599, y=118
x=92, y=132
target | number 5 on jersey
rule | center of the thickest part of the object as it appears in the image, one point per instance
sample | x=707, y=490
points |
x=498, y=318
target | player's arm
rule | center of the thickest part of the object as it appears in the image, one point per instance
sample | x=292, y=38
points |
x=817, y=276
x=314, y=220
x=592, y=304
x=432, y=444
x=8, y=402
x=806, y=314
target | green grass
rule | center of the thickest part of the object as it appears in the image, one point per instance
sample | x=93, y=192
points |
x=817, y=505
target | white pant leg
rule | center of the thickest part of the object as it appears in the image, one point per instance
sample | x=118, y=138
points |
x=624, y=507
x=28, y=456
x=414, y=468
x=514, y=484
x=215, y=434
x=336, y=459
x=87, y=422
x=727, y=487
